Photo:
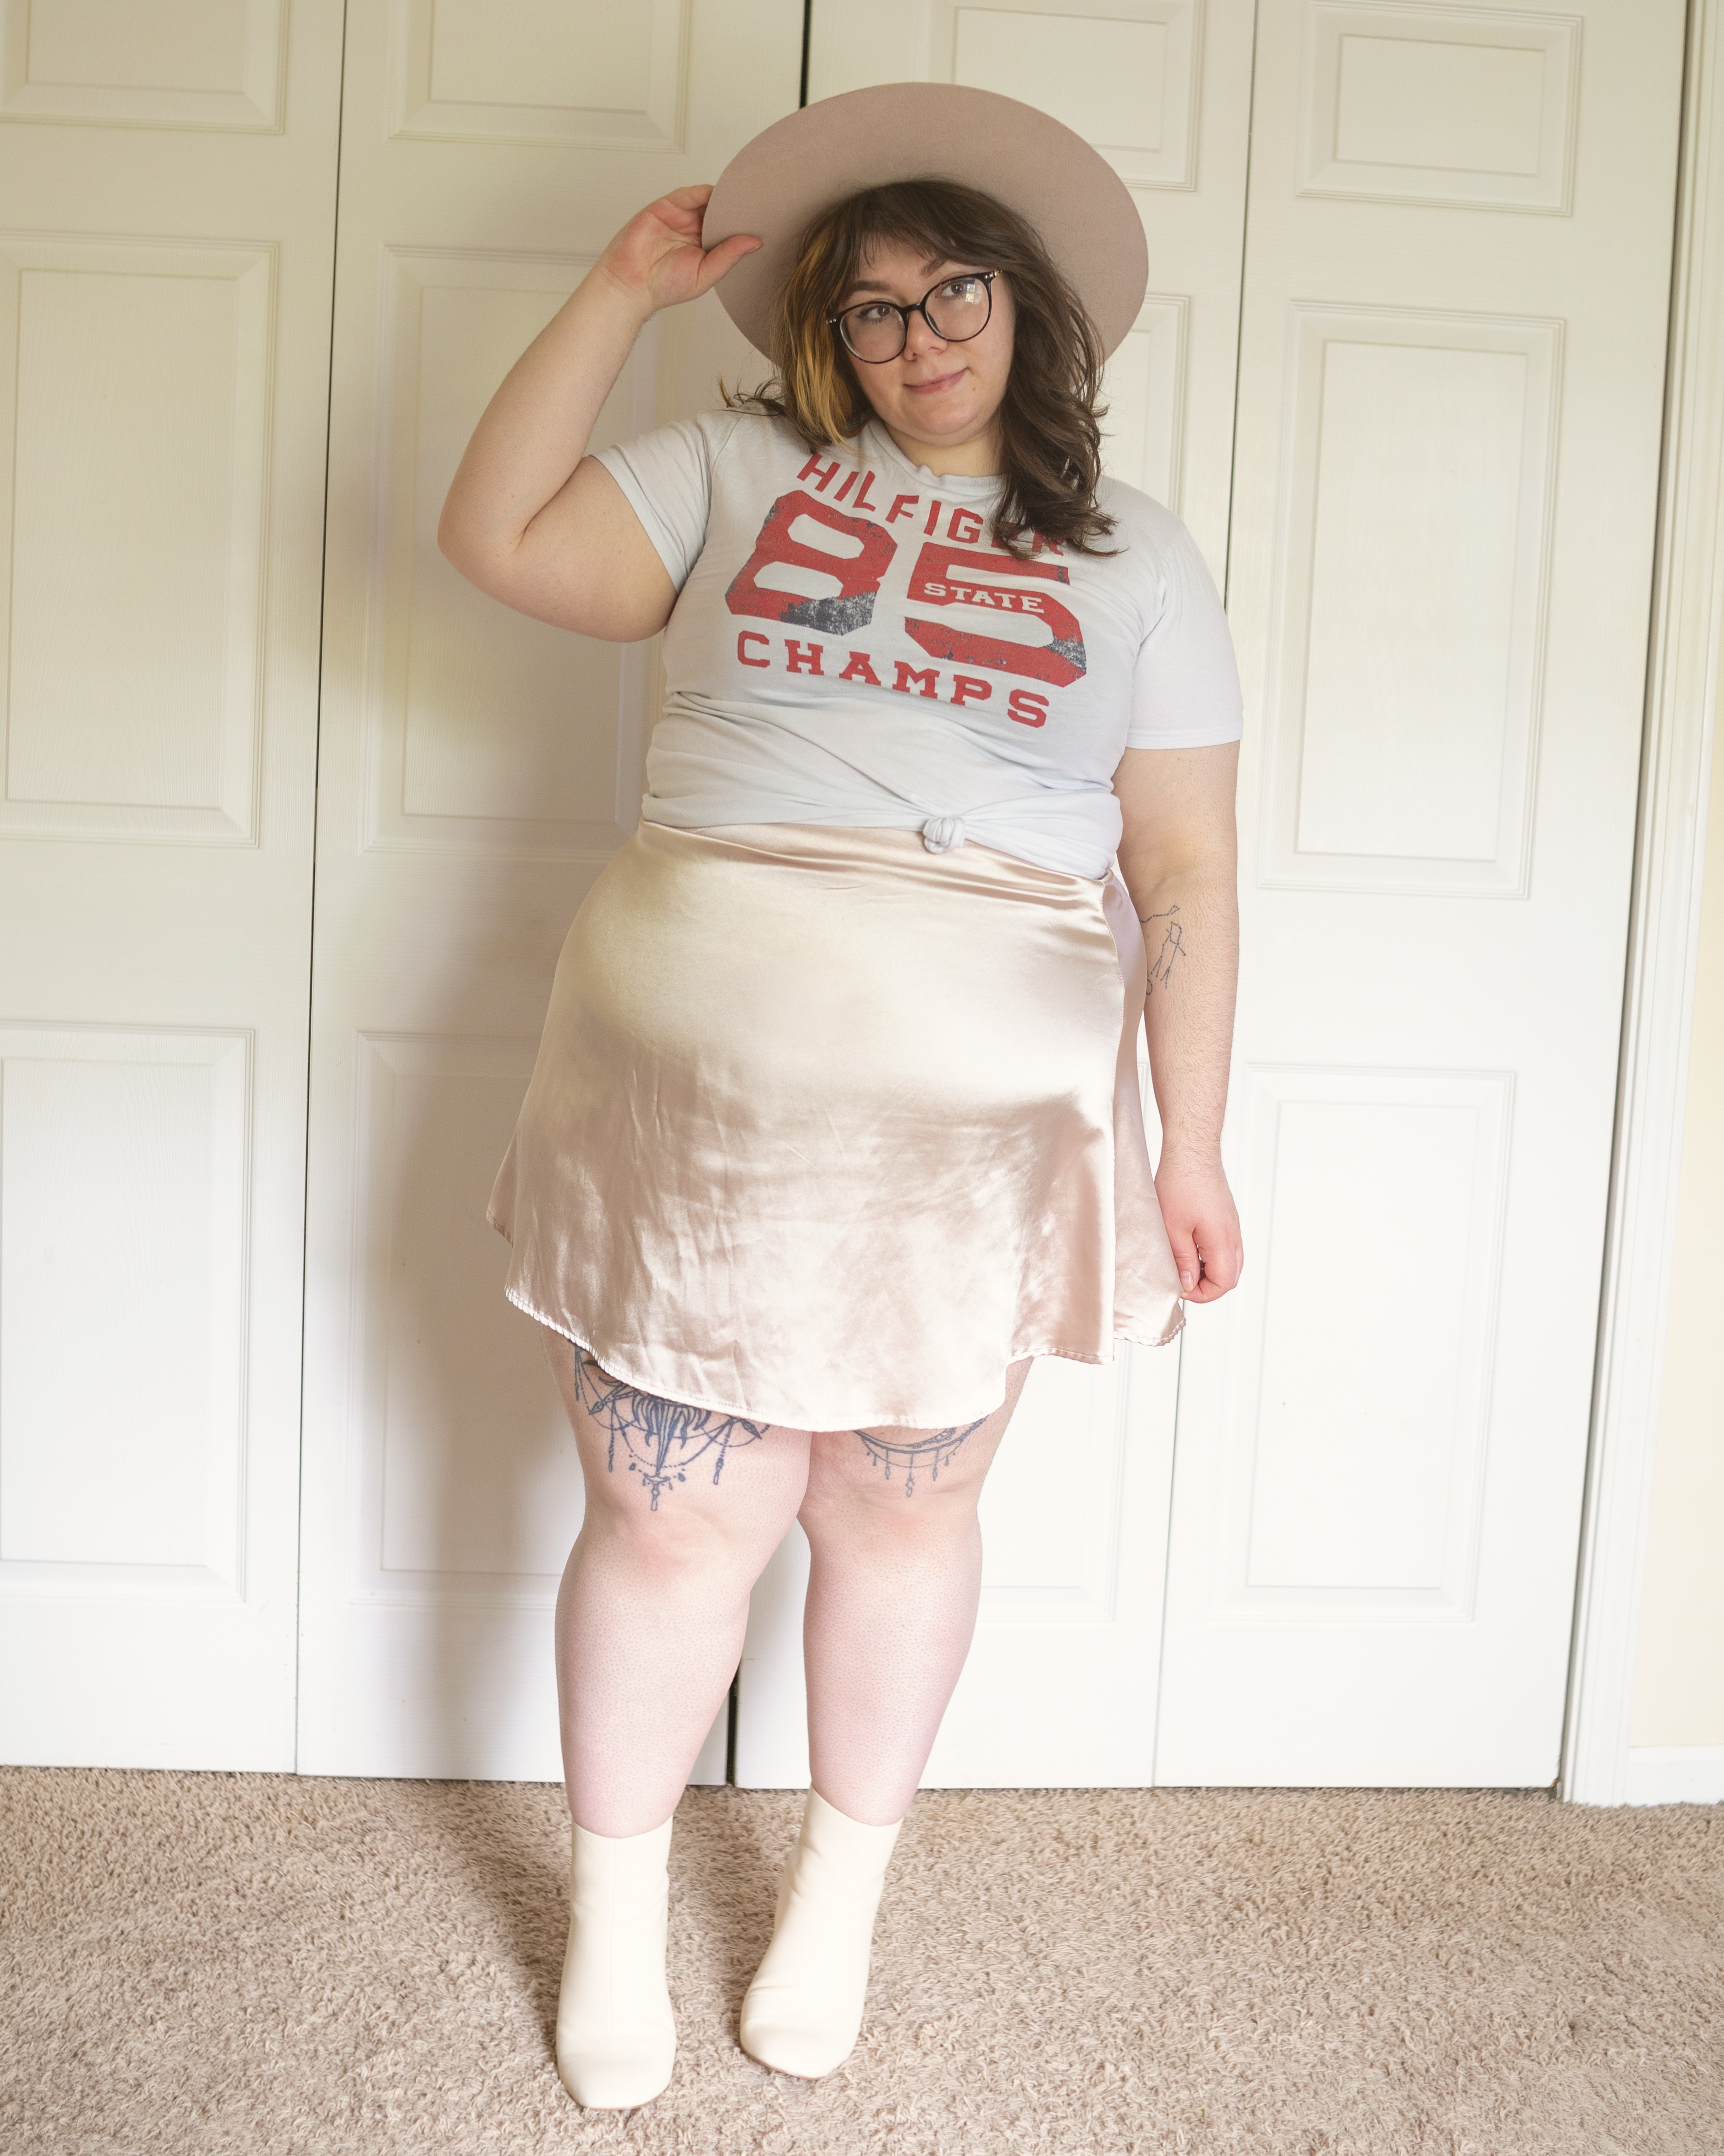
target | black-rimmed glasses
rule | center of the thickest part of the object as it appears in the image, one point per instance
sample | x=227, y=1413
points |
x=956, y=310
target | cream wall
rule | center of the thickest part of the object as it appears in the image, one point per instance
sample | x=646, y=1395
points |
x=1679, y=1684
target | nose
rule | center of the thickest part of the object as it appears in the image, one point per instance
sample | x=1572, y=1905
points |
x=920, y=339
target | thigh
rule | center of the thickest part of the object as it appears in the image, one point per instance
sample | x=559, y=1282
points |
x=677, y=1471
x=891, y=1466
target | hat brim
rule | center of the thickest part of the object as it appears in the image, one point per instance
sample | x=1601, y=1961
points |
x=804, y=163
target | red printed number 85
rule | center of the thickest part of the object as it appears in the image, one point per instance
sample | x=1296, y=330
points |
x=945, y=575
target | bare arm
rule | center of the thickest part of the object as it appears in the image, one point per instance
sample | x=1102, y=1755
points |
x=531, y=518
x=1179, y=861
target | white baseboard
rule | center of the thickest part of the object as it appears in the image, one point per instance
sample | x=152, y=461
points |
x=1675, y=1775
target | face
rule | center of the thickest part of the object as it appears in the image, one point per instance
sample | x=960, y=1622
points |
x=940, y=394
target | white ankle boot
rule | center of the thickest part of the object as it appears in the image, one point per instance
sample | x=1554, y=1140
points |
x=616, y=2038
x=803, y=2011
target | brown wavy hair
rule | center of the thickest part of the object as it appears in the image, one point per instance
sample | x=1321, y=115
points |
x=1050, y=439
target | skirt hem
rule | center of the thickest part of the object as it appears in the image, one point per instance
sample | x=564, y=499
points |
x=613, y=1366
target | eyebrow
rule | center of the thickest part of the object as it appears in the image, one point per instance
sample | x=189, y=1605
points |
x=873, y=284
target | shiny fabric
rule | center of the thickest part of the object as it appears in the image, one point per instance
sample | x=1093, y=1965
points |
x=827, y=1129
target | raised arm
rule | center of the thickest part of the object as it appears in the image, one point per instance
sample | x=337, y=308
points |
x=531, y=518
x=1178, y=857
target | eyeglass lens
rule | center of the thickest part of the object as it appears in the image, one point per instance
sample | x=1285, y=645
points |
x=955, y=311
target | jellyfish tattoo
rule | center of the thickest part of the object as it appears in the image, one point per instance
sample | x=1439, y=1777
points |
x=661, y=1439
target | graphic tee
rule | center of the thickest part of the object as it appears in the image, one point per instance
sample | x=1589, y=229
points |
x=849, y=647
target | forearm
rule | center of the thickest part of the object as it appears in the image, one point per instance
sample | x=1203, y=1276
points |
x=535, y=430
x=1191, y=942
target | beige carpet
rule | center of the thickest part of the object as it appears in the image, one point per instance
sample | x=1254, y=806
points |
x=212, y=1961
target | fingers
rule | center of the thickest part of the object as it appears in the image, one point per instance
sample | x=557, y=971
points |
x=723, y=257
x=1219, y=1265
x=1214, y=1284
x=1184, y=1247
x=679, y=211
x=1222, y=1258
x=1203, y=1235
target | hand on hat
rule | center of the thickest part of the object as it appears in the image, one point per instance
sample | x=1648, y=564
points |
x=657, y=258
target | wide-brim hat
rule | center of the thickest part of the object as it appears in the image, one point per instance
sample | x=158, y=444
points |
x=777, y=184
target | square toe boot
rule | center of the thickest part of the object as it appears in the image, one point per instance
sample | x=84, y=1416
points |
x=802, y=2012
x=615, y=2036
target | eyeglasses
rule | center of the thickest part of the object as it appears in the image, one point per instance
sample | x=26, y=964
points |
x=878, y=330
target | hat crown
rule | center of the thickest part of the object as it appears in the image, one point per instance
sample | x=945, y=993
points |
x=1063, y=189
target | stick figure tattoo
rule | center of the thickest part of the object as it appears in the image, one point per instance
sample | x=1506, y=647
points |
x=939, y=1448
x=1173, y=947
x=662, y=1439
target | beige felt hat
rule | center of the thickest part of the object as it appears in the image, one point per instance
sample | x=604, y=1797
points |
x=918, y=131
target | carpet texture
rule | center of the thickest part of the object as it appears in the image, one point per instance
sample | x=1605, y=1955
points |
x=256, y=1963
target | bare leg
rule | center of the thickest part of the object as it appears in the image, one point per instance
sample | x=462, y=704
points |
x=684, y=1508
x=894, y=1586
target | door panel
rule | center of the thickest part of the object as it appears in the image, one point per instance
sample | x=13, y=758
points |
x=469, y=744
x=165, y=276
x=477, y=768
x=151, y=363
x=191, y=63
x=1421, y=497
x=1060, y=1686
x=1450, y=404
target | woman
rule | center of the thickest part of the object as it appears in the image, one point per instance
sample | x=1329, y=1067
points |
x=835, y=1125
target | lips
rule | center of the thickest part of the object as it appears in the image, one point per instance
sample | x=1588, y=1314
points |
x=939, y=381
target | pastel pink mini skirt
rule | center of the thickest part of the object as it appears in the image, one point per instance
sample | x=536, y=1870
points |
x=827, y=1130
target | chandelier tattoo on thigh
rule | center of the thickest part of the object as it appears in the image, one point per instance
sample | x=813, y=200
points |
x=1161, y=973
x=936, y=1448
x=661, y=1439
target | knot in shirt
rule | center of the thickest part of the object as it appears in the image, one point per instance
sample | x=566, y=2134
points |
x=941, y=834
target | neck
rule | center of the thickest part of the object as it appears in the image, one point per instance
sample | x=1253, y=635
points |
x=978, y=458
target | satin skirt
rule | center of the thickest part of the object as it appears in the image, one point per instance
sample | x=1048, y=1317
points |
x=827, y=1129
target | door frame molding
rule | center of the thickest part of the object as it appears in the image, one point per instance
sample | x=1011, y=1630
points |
x=1670, y=853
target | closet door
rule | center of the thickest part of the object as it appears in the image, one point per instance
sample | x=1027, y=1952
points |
x=1060, y=1685
x=167, y=176
x=477, y=768
x=1450, y=403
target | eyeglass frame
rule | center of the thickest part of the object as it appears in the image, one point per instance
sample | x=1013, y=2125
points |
x=917, y=307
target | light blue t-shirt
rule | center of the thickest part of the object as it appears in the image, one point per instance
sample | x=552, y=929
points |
x=848, y=646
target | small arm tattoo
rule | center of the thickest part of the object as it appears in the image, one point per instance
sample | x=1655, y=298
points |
x=1161, y=972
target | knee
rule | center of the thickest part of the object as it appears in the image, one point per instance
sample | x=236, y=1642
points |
x=901, y=1507
x=681, y=1541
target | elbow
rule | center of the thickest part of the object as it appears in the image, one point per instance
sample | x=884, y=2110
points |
x=464, y=550
x=451, y=541
x=1146, y=863
x=1150, y=869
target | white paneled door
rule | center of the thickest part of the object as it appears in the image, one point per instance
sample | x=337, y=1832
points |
x=1437, y=571
x=1060, y=1686
x=477, y=770
x=168, y=177
x=1399, y=369
x=1451, y=369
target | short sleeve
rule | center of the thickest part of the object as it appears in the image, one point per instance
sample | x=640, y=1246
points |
x=667, y=476
x=1185, y=685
